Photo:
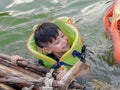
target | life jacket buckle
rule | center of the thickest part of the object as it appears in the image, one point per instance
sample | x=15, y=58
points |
x=81, y=55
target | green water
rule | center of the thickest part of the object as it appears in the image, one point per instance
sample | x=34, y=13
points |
x=17, y=17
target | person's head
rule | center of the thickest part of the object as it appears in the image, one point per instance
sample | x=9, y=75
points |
x=49, y=37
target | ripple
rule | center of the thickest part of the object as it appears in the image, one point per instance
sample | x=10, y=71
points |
x=16, y=2
x=17, y=13
x=18, y=16
x=92, y=12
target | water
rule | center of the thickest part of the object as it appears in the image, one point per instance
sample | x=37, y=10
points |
x=17, y=17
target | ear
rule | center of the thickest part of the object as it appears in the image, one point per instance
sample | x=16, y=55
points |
x=47, y=50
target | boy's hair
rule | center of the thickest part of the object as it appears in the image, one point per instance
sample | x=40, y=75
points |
x=45, y=33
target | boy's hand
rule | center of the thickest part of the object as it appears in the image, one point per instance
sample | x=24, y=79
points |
x=61, y=74
x=15, y=58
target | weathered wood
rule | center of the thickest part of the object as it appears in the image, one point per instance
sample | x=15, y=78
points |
x=24, y=63
x=5, y=87
x=21, y=76
x=18, y=68
x=9, y=72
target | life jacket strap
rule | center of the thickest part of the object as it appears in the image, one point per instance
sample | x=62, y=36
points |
x=40, y=62
x=59, y=64
x=81, y=55
x=74, y=53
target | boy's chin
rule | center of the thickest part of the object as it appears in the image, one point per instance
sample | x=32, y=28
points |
x=67, y=49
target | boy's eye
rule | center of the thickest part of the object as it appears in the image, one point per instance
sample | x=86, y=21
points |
x=57, y=42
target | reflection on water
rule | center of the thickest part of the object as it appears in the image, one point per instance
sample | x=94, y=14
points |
x=17, y=17
x=15, y=2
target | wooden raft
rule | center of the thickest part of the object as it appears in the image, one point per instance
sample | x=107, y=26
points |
x=27, y=76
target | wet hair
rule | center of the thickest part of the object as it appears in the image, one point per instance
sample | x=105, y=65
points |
x=45, y=33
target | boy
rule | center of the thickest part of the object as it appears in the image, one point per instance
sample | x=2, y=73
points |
x=53, y=43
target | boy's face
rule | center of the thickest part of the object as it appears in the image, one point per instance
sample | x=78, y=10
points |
x=60, y=44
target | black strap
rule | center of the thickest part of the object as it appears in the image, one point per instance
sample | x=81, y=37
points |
x=75, y=53
x=81, y=55
x=40, y=62
x=59, y=64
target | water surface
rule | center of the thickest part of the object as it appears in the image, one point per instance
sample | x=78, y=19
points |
x=17, y=17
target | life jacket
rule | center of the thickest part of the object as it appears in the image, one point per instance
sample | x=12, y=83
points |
x=112, y=27
x=71, y=56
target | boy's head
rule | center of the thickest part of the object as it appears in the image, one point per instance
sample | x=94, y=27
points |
x=49, y=37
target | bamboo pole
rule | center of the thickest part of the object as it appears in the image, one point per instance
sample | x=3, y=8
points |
x=70, y=75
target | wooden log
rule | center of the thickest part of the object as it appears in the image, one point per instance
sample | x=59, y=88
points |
x=18, y=68
x=5, y=87
x=8, y=72
x=23, y=80
x=66, y=80
x=24, y=63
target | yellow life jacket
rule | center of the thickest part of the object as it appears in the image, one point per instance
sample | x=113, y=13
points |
x=69, y=58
